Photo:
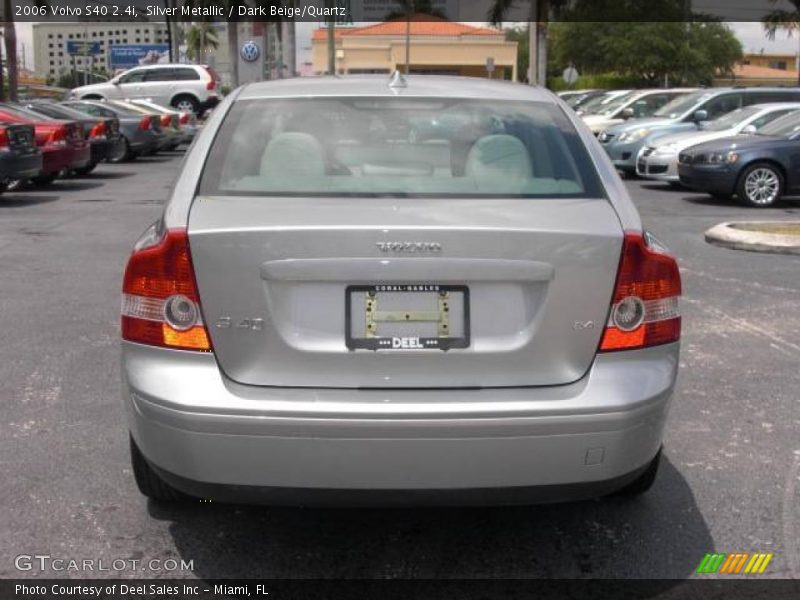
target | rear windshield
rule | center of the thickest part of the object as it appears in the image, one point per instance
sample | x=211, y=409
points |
x=397, y=147
x=677, y=106
x=785, y=126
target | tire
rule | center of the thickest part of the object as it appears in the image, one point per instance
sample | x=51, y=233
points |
x=148, y=481
x=645, y=481
x=121, y=152
x=186, y=103
x=44, y=179
x=84, y=171
x=3, y=186
x=760, y=185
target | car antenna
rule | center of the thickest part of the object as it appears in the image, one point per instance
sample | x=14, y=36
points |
x=397, y=80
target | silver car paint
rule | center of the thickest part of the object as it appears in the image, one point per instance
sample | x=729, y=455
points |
x=190, y=419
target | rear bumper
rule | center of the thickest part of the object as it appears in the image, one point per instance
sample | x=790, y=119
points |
x=81, y=155
x=101, y=149
x=207, y=434
x=20, y=166
x=55, y=159
x=143, y=142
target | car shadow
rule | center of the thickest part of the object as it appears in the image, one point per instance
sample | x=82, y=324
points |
x=102, y=174
x=18, y=200
x=67, y=185
x=661, y=535
x=708, y=200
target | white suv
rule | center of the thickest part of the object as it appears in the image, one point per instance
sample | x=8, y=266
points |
x=186, y=87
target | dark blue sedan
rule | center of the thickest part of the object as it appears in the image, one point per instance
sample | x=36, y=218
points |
x=758, y=168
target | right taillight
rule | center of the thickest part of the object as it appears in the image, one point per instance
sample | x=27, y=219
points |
x=144, y=124
x=644, y=310
x=4, y=138
x=160, y=303
x=58, y=136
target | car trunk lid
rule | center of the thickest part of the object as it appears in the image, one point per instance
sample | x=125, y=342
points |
x=529, y=284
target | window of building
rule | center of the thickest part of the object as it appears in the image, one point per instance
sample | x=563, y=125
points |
x=49, y=36
x=777, y=64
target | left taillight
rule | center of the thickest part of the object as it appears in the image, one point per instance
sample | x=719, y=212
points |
x=160, y=302
x=644, y=309
x=98, y=131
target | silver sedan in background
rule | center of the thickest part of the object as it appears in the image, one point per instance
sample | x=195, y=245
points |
x=330, y=311
x=658, y=158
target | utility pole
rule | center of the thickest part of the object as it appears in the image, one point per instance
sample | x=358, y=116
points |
x=331, y=47
x=533, y=46
x=408, y=36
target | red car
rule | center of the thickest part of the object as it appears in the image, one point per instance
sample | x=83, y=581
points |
x=62, y=142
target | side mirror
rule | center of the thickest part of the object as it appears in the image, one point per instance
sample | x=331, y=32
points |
x=749, y=129
x=627, y=113
x=700, y=115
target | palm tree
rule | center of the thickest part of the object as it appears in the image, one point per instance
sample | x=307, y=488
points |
x=785, y=20
x=407, y=9
x=201, y=38
x=537, y=47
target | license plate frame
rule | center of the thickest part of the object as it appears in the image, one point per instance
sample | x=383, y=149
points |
x=427, y=343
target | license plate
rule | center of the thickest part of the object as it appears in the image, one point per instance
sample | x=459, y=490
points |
x=416, y=316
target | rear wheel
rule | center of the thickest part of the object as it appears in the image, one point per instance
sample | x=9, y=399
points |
x=148, y=481
x=186, y=104
x=760, y=185
x=645, y=481
x=121, y=151
x=44, y=179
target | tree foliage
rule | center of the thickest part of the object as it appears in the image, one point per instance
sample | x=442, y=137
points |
x=520, y=35
x=652, y=51
x=201, y=38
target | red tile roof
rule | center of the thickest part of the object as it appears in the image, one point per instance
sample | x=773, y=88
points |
x=420, y=25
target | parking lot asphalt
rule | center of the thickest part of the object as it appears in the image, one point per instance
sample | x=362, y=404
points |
x=730, y=481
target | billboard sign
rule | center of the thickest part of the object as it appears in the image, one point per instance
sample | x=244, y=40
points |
x=127, y=56
x=81, y=48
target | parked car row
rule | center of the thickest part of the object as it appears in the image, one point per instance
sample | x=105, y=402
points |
x=42, y=140
x=742, y=142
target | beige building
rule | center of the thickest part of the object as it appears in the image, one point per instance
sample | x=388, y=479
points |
x=437, y=46
x=780, y=62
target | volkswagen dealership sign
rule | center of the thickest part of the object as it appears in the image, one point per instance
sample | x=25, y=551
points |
x=250, y=51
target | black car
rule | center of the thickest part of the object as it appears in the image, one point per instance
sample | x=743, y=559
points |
x=19, y=156
x=758, y=168
x=102, y=133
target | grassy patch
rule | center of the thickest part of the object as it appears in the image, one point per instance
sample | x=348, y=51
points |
x=786, y=228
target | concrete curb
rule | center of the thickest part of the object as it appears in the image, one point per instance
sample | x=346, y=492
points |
x=728, y=236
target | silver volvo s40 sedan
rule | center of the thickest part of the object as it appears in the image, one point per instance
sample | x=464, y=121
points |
x=373, y=290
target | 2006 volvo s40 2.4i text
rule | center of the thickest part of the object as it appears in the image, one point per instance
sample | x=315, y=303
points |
x=333, y=308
